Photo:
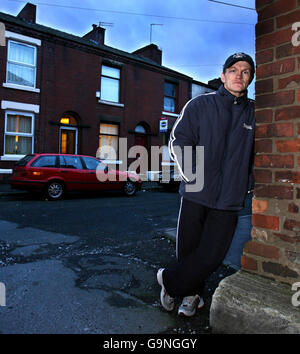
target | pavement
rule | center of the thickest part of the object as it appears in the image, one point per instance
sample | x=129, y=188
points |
x=232, y=258
x=230, y=261
x=51, y=267
x=5, y=188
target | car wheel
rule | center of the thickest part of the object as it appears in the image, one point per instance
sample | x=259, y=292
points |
x=129, y=188
x=55, y=190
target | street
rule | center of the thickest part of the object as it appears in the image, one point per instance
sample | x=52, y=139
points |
x=87, y=264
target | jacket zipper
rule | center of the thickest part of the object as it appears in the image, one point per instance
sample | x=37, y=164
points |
x=222, y=168
x=224, y=155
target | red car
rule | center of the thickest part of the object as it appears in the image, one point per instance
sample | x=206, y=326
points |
x=55, y=174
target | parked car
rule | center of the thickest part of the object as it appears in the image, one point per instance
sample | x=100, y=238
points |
x=169, y=181
x=56, y=174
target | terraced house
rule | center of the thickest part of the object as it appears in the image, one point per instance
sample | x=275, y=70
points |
x=70, y=94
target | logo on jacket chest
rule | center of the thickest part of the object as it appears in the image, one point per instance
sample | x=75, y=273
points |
x=246, y=126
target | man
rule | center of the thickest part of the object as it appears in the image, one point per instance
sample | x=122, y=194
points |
x=223, y=123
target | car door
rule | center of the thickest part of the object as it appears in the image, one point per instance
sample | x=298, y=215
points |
x=89, y=174
x=97, y=175
x=43, y=168
x=71, y=170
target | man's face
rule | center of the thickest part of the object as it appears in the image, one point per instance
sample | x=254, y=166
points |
x=236, y=79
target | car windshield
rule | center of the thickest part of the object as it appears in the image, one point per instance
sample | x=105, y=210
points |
x=24, y=160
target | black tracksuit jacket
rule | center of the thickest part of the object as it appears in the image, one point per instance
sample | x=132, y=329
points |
x=224, y=125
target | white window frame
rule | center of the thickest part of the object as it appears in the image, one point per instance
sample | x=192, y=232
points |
x=109, y=135
x=174, y=98
x=12, y=157
x=111, y=78
x=76, y=136
x=34, y=66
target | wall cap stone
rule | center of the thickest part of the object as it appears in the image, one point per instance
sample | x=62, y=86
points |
x=246, y=303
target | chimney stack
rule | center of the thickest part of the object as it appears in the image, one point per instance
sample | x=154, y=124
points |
x=152, y=52
x=97, y=34
x=28, y=13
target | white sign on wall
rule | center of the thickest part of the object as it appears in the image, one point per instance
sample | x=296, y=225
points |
x=163, y=125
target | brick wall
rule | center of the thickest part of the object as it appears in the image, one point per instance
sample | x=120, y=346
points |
x=274, y=250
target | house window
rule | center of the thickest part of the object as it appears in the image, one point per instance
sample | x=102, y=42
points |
x=140, y=129
x=110, y=84
x=18, y=138
x=109, y=141
x=170, y=97
x=21, y=64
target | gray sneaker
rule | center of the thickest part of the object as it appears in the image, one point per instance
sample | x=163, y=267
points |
x=166, y=300
x=190, y=304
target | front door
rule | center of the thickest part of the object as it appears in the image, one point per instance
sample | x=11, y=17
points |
x=68, y=141
x=141, y=140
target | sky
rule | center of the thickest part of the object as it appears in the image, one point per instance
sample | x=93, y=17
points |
x=195, y=36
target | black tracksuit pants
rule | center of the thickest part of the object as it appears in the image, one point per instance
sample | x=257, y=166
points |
x=203, y=238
